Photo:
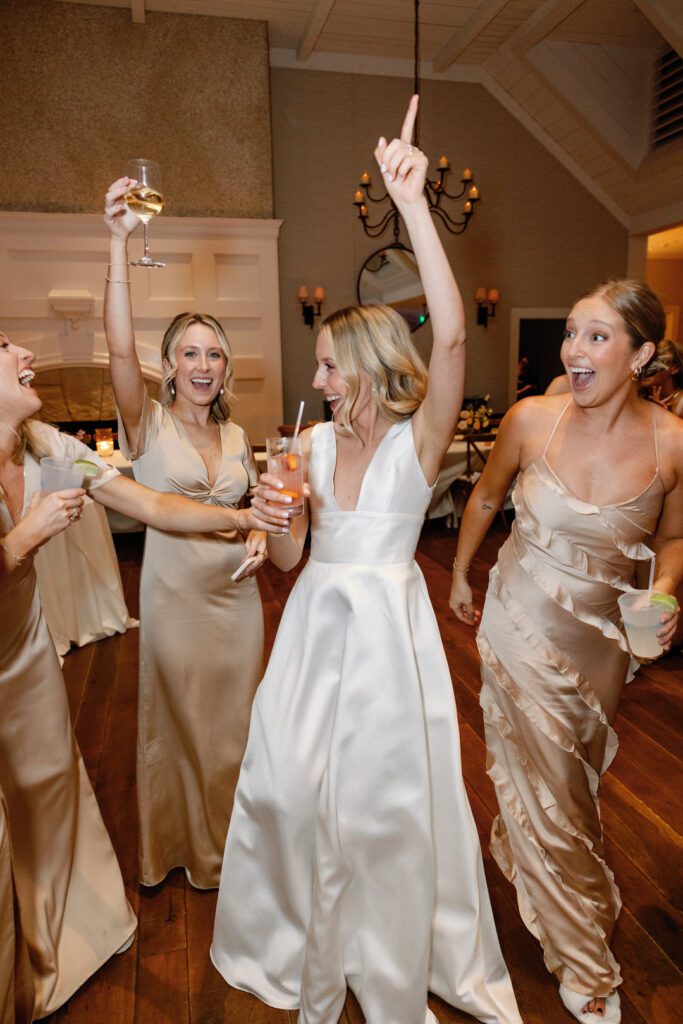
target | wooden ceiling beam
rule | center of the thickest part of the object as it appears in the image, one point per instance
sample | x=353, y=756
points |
x=467, y=33
x=667, y=18
x=315, y=24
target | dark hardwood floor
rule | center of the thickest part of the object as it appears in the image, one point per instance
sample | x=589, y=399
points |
x=167, y=978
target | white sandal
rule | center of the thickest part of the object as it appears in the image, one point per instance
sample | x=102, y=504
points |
x=575, y=1002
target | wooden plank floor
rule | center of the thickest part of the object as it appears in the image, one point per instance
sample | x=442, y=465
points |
x=167, y=978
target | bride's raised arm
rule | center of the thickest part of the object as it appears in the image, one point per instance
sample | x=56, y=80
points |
x=404, y=169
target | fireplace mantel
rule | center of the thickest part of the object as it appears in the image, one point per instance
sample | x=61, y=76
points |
x=52, y=268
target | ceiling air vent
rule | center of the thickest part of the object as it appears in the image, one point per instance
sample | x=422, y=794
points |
x=667, y=111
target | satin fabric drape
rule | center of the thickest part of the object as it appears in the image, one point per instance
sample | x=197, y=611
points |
x=555, y=661
x=352, y=856
x=201, y=656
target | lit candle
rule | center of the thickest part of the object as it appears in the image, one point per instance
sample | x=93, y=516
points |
x=473, y=193
x=467, y=175
x=363, y=210
x=494, y=296
x=468, y=207
x=104, y=448
x=358, y=197
x=319, y=294
x=443, y=164
x=302, y=294
x=365, y=178
x=481, y=295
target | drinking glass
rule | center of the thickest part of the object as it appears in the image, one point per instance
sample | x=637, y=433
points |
x=146, y=200
x=285, y=462
x=641, y=618
x=59, y=474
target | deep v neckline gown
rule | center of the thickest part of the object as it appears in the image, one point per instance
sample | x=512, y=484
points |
x=554, y=663
x=352, y=855
x=201, y=655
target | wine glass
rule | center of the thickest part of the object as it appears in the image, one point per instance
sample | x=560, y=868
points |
x=146, y=200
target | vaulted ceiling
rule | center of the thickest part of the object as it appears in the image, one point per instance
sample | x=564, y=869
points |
x=579, y=74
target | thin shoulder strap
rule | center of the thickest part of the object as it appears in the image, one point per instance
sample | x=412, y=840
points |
x=654, y=432
x=557, y=423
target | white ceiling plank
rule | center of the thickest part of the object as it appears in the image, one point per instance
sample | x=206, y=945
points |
x=320, y=12
x=137, y=9
x=465, y=35
x=667, y=18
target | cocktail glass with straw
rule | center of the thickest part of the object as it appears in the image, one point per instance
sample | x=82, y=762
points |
x=285, y=461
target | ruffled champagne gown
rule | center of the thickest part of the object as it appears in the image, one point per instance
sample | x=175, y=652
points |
x=73, y=907
x=554, y=663
x=352, y=856
x=201, y=656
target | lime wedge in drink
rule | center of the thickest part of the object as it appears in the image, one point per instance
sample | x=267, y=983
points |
x=668, y=601
x=89, y=468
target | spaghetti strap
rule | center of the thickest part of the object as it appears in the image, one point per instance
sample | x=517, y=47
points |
x=557, y=423
x=656, y=438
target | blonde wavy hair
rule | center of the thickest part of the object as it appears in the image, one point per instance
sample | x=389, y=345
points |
x=375, y=340
x=220, y=407
x=668, y=357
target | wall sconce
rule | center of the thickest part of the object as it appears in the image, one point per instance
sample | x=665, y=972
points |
x=307, y=308
x=73, y=306
x=486, y=305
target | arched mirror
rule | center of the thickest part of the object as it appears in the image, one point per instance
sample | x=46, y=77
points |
x=389, y=277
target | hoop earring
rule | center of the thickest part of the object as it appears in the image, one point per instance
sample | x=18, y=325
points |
x=637, y=373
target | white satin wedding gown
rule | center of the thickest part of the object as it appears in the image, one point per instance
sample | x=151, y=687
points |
x=352, y=856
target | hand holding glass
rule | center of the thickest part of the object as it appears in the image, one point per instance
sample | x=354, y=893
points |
x=146, y=200
x=286, y=463
x=60, y=474
x=642, y=620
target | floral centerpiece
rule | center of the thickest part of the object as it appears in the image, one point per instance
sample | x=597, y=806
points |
x=475, y=415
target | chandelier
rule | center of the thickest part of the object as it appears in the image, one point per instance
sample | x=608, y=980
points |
x=435, y=191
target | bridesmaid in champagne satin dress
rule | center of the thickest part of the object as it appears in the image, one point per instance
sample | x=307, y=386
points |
x=201, y=634
x=16, y=982
x=352, y=857
x=554, y=654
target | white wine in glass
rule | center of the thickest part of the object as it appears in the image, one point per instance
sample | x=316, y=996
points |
x=146, y=200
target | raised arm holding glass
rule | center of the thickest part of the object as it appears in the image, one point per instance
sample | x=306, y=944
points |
x=201, y=633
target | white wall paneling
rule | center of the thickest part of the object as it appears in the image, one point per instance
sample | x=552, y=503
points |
x=52, y=269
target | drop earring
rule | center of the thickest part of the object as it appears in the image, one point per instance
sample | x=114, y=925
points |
x=222, y=391
x=637, y=373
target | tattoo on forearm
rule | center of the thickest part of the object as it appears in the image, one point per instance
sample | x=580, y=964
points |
x=486, y=507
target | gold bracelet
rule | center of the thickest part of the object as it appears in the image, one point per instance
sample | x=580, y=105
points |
x=463, y=569
x=111, y=280
x=16, y=559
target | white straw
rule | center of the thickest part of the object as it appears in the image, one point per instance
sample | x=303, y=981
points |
x=298, y=420
x=652, y=573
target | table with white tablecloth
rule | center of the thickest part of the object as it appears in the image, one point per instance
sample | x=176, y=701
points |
x=80, y=583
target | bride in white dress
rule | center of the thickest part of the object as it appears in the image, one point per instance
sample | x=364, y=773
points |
x=352, y=856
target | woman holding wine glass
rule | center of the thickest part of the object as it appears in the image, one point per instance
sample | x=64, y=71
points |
x=201, y=634
x=72, y=902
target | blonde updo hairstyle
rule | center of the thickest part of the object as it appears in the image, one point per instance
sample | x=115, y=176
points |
x=220, y=407
x=668, y=358
x=638, y=306
x=375, y=340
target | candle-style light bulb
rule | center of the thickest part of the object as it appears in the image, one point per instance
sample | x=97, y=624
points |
x=467, y=174
x=358, y=197
x=365, y=178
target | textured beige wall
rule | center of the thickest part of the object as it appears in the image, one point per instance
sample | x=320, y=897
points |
x=538, y=236
x=84, y=89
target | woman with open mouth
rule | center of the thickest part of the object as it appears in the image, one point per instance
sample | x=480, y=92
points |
x=598, y=474
x=72, y=903
x=201, y=634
